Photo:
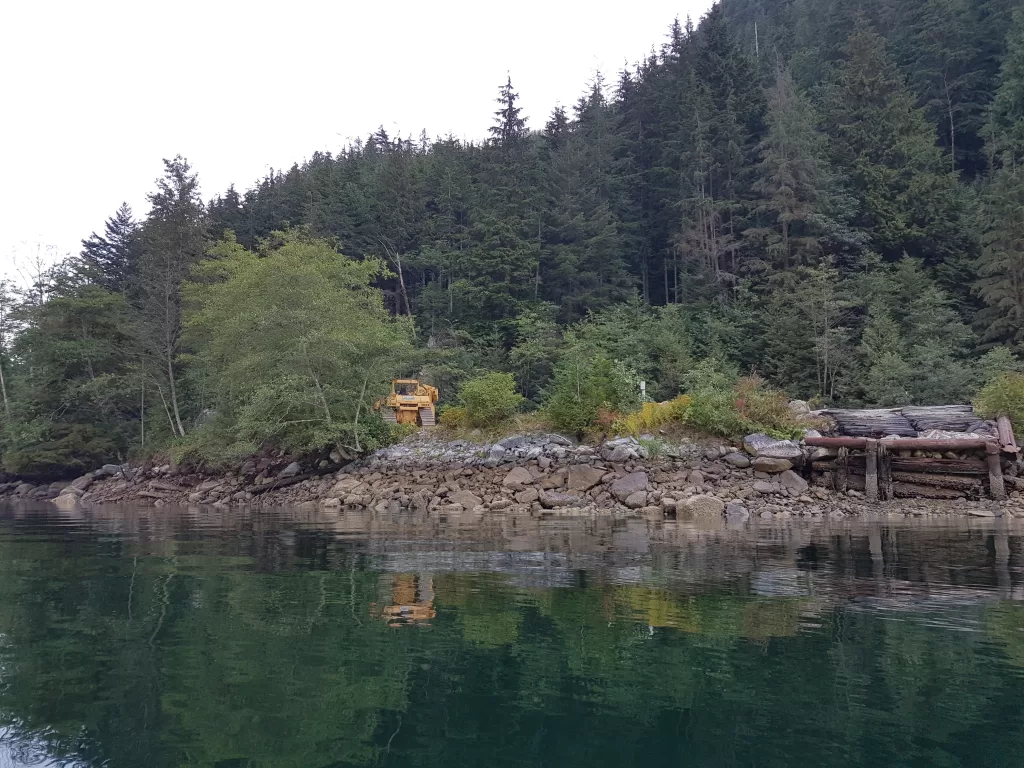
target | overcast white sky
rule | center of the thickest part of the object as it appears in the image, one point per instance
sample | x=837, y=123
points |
x=95, y=93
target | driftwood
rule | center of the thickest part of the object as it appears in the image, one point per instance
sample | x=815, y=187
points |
x=284, y=482
x=877, y=422
x=958, y=482
x=1007, y=441
x=912, y=491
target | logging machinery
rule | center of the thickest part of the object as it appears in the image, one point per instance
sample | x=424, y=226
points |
x=410, y=402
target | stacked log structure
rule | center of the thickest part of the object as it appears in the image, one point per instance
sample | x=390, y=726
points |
x=905, y=468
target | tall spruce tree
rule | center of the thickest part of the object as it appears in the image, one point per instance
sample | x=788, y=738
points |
x=174, y=240
x=792, y=179
x=111, y=260
x=908, y=197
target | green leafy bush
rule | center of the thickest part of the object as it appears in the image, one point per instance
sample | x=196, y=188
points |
x=490, y=400
x=452, y=417
x=1003, y=395
x=586, y=384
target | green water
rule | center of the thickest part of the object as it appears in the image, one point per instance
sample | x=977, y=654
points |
x=177, y=638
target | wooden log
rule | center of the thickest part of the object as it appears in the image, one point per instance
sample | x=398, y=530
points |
x=284, y=482
x=884, y=473
x=996, y=489
x=1007, y=441
x=940, y=466
x=912, y=491
x=856, y=464
x=957, y=482
x=871, y=472
x=841, y=475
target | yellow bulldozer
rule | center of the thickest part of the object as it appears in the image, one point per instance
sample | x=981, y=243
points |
x=410, y=402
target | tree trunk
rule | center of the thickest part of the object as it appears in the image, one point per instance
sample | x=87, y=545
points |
x=3, y=388
x=174, y=395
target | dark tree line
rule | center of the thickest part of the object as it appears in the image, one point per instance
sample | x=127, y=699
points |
x=828, y=193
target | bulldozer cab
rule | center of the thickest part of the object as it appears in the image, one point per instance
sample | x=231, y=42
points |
x=407, y=388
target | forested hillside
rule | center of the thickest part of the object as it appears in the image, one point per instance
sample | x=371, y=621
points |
x=826, y=193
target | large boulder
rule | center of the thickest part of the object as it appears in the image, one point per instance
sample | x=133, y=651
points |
x=760, y=444
x=467, y=499
x=527, y=496
x=771, y=466
x=626, y=486
x=66, y=502
x=556, y=500
x=737, y=460
x=793, y=483
x=636, y=500
x=291, y=470
x=701, y=506
x=83, y=482
x=518, y=476
x=348, y=484
x=583, y=477
x=617, y=454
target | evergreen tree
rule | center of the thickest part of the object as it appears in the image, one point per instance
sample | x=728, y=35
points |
x=908, y=197
x=1002, y=263
x=792, y=179
x=174, y=239
x=111, y=259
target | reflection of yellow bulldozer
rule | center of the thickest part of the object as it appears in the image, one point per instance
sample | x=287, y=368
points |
x=410, y=402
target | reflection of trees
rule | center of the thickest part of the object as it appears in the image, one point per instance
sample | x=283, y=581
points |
x=271, y=648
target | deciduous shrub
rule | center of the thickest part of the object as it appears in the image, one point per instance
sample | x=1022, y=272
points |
x=490, y=399
x=1004, y=394
x=452, y=416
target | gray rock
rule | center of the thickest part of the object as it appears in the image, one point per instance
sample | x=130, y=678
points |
x=527, y=496
x=348, y=484
x=518, y=476
x=701, y=506
x=752, y=444
x=331, y=503
x=556, y=500
x=83, y=482
x=630, y=484
x=583, y=477
x=771, y=466
x=783, y=449
x=738, y=460
x=736, y=512
x=66, y=501
x=799, y=408
x=291, y=470
x=24, y=489
x=511, y=443
x=468, y=499
x=558, y=440
x=695, y=477
x=981, y=513
x=636, y=500
x=763, y=487
x=618, y=454
x=793, y=483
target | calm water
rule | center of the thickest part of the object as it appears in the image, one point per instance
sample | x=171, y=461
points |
x=177, y=638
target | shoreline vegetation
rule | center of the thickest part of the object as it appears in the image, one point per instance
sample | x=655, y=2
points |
x=833, y=215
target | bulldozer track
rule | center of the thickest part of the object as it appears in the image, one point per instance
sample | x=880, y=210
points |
x=389, y=415
x=427, y=417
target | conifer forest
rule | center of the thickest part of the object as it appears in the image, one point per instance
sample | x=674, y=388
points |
x=825, y=194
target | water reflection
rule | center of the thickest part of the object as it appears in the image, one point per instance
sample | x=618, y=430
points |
x=244, y=638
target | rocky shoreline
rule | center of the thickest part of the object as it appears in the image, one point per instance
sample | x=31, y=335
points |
x=539, y=474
